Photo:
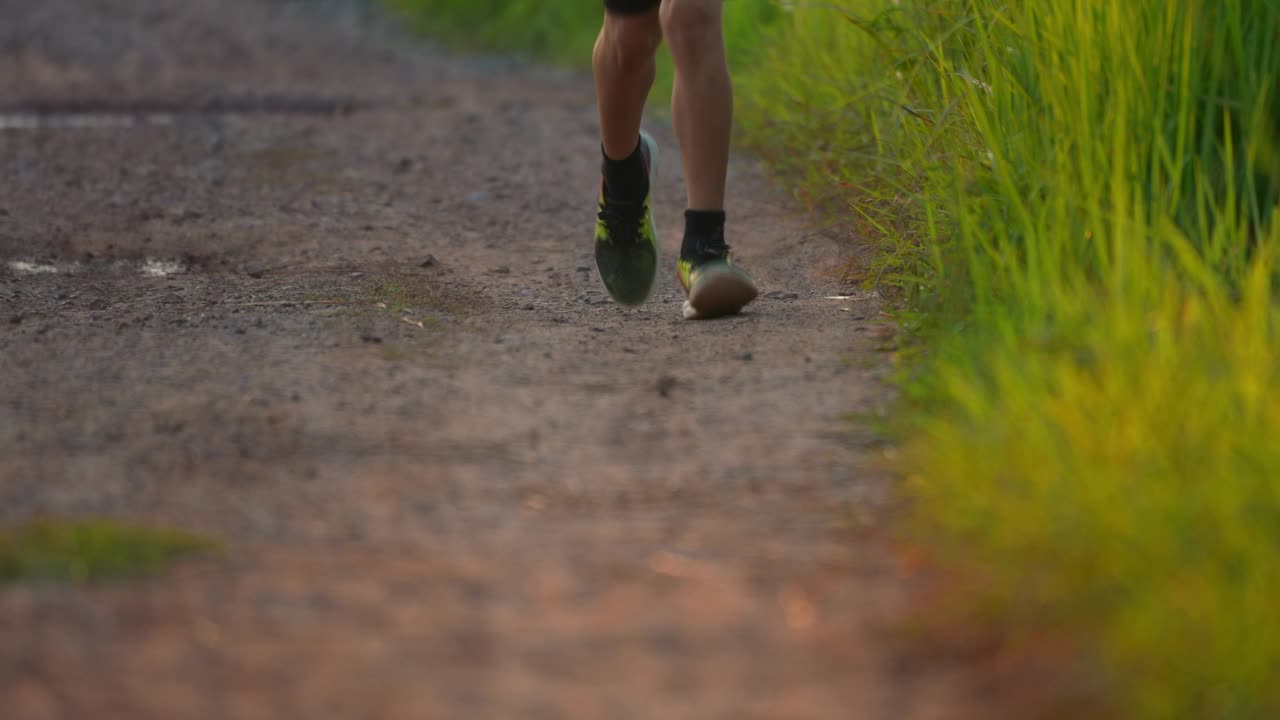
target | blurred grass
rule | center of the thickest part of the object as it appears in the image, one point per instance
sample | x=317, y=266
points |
x=565, y=32
x=92, y=550
x=1075, y=201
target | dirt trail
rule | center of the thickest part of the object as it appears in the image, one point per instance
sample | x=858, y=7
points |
x=277, y=273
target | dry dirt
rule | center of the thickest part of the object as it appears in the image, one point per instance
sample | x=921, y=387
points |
x=278, y=273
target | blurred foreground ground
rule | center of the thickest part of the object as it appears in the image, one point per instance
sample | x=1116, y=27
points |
x=276, y=273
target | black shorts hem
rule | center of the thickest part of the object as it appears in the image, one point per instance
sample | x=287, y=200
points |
x=630, y=7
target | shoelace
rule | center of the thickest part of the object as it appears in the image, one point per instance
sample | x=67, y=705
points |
x=623, y=219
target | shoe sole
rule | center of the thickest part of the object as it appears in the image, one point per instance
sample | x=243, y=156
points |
x=719, y=291
x=652, y=146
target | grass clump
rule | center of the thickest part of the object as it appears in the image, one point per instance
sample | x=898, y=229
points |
x=1075, y=201
x=92, y=550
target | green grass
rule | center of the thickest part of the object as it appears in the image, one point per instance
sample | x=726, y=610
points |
x=1074, y=201
x=565, y=32
x=92, y=550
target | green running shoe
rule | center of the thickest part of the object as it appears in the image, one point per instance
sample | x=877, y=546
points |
x=627, y=240
x=713, y=285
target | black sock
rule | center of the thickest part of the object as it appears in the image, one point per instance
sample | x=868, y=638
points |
x=627, y=179
x=701, y=226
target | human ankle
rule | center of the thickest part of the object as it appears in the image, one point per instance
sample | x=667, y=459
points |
x=626, y=179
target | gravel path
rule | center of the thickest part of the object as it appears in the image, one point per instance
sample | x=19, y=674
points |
x=277, y=273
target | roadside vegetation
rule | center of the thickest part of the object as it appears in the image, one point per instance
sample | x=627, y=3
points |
x=1075, y=202
x=85, y=551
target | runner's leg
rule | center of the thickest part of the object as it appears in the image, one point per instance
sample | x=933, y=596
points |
x=624, y=70
x=702, y=108
x=702, y=104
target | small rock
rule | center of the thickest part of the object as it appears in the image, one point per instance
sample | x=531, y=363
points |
x=255, y=271
x=478, y=197
x=666, y=384
x=780, y=295
x=99, y=304
x=405, y=165
x=371, y=338
x=170, y=298
x=501, y=270
x=240, y=331
x=745, y=357
x=597, y=329
x=429, y=261
x=584, y=268
x=356, y=275
x=530, y=306
x=295, y=397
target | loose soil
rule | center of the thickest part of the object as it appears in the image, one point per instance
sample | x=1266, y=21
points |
x=277, y=273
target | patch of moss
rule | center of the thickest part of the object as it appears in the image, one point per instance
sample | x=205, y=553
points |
x=83, y=551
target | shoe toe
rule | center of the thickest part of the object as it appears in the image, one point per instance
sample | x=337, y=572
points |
x=719, y=290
